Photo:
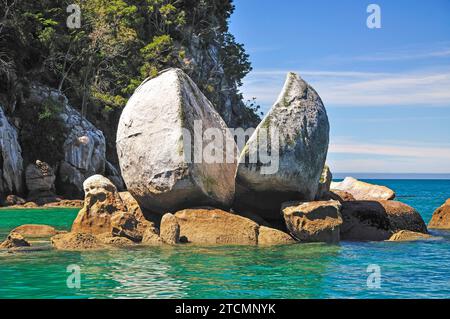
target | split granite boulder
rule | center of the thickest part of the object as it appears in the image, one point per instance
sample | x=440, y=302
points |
x=362, y=190
x=158, y=141
x=441, y=217
x=298, y=156
x=313, y=221
x=378, y=220
x=211, y=226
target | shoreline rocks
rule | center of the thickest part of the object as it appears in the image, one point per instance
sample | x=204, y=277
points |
x=14, y=240
x=441, y=217
x=158, y=142
x=378, y=220
x=76, y=241
x=296, y=133
x=313, y=221
x=269, y=237
x=32, y=230
x=362, y=190
x=211, y=226
x=406, y=235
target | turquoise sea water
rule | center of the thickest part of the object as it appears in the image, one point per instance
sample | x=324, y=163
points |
x=408, y=270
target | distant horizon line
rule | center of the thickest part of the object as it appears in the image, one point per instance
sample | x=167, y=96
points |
x=365, y=175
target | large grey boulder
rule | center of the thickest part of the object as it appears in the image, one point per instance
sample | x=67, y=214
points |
x=156, y=158
x=300, y=119
x=11, y=162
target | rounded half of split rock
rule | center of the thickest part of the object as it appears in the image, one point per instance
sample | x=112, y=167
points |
x=165, y=162
x=284, y=158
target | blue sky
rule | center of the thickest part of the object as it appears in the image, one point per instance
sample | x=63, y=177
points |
x=387, y=91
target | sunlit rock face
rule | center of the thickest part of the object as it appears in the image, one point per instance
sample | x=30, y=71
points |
x=156, y=156
x=295, y=134
x=11, y=162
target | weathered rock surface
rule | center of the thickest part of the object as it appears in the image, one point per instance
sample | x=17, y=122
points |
x=12, y=200
x=211, y=226
x=313, y=221
x=101, y=201
x=40, y=181
x=14, y=240
x=156, y=158
x=324, y=183
x=378, y=220
x=84, y=147
x=270, y=236
x=32, y=230
x=67, y=203
x=169, y=231
x=406, y=235
x=124, y=224
x=11, y=162
x=441, y=217
x=340, y=196
x=120, y=242
x=151, y=237
x=362, y=190
x=300, y=118
x=76, y=241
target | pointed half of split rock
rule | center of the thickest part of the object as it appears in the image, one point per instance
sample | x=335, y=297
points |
x=291, y=171
x=157, y=160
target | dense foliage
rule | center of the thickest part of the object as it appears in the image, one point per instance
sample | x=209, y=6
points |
x=119, y=44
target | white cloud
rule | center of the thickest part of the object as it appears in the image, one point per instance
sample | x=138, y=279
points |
x=348, y=88
x=349, y=156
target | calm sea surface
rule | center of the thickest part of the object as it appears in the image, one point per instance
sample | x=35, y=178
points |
x=408, y=270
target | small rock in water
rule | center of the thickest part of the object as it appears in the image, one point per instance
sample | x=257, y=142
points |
x=363, y=191
x=441, y=217
x=170, y=229
x=406, y=235
x=14, y=240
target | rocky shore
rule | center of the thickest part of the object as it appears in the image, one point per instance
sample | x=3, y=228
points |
x=172, y=199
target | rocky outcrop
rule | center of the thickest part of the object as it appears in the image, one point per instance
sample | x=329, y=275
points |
x=151, y=237
x=362, y=190
x=270, y=236
x=101, y=201
x=340, y=196
x=14, y=240
x=313, y=221
x=324, y=183
x=13, y=200
x=378, y=220
x=406, y=235
x=40, y=181
x=297, y=158
x=169, y=230
x=84, y=146
x=157, y=160
x=211, y=226
x=120, y=242
x=31, y=230
x=441, y=217
x=11, y=162
x=76, y=241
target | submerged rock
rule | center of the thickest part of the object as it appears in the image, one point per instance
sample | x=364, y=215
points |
x=362, y=190
x=14, y=240
x=270, y=236
x=156, y=158
x=441, y=217
x=11, y=162
x=294, y=171
x=378, y=220
x=406, y=235
x=32, y=230
x=313, y=221
x=76, y=241
x=216, y=227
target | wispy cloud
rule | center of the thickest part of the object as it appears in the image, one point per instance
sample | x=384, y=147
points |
x=405, y=55
x=401, y=157
x=349, y=88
